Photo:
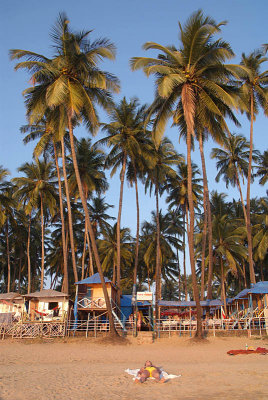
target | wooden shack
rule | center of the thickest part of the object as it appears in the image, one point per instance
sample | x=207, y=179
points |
x=11, y=305
x=47, y=305
x=90, y=296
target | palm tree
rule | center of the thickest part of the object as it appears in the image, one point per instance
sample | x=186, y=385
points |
x=188, y=80
x=165, y=157
x=38, y=187
x=48, y=130
x=177, y=189
x=254, y=92
x=98, y=212
x=124, y=130
x=73, y=81
x=233, y=163
x=108, y=249
x=90, y=161
x=262, y=168
x=228, y=249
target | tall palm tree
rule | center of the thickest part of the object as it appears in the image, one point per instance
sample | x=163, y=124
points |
x=254, y=93
x=38, y=186
x=228, y=249
x=233, y=163
x=177, y=197
x=189, y=79
x=98, y=211
x=165, y=157
x=108, y=249
x=73, y=81
x=48, y=131
x=124, y=130
x=90, y=161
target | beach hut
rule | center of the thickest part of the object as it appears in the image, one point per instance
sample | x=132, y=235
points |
x=90, y=297
x=11, y=305
x=47, y=305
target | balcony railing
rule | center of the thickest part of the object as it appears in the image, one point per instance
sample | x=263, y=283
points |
x=91, y=303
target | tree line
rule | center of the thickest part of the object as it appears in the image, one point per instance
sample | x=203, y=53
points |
x=60, y=195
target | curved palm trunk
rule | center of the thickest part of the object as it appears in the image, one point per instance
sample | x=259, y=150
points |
x=89, y=227
x=91, y=268
x=250, y=256
x=28, y=256
x=43, y=244
x=118, y=261
x=189, y=109
x=207, y=210
x=70, y=220
x=65, y=262
x=137, y=232
x=8, y=259
x=158, y=266
x=204, y=244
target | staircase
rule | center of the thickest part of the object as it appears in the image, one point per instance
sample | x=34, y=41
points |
x=144, y=337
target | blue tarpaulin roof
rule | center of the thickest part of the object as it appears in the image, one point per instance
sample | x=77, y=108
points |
x=242, y=295
x=127, y=298
x=92, y=279
x=259, y=288
x=207, y=303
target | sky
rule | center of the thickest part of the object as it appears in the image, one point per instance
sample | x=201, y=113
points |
x=128, y=24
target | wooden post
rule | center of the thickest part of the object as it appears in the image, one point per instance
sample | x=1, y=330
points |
x=95, y=328
x=87, y=325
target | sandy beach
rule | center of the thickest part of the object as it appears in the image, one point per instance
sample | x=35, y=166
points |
x=83, y=369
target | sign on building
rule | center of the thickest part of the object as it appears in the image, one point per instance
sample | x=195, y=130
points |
x=143, y=296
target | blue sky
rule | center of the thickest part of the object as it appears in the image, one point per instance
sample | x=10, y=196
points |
x=26, y=25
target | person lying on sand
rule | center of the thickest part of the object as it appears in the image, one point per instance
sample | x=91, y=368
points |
x=149, y=371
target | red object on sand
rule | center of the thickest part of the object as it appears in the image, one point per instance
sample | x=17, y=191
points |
x=259, y=350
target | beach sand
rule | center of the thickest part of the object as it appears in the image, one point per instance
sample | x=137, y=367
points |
x=83, y=369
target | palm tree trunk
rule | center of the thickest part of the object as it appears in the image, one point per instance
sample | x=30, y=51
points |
x=184, y=253
x=89, y=227
x=241, y=197
x=204, y=245
x=70, y=220
x=244, y=274
x=188, y=109
x=137, y=230
x=65, y=262
x=43, y=244
x=250, y=256
x=223, y=287
x=158, y=267
x=8, y=259
x=91, y=269
x=118, y=277
x=207, y=210
x=28, y=255
x=84, y=253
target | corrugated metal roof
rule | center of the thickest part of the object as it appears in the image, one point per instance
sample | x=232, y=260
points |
x=46, y=293
x=92, y=279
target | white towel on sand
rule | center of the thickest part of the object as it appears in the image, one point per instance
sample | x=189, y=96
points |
x=164, y=374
